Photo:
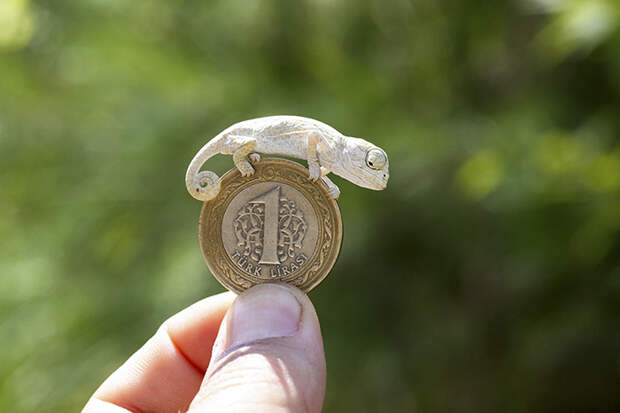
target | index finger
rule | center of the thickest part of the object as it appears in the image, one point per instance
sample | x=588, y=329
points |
x=165, y=374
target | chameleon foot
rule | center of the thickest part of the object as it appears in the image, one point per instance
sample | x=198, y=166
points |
x=332, y=189
x=333, y=192
x=315, y=171
x=254, y=158
x=245, y=168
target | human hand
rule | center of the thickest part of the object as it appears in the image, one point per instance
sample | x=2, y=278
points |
x=267, y=357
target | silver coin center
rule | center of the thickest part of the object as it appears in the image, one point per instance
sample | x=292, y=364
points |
x=270, y=230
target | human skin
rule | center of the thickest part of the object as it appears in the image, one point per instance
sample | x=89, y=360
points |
x=260, y=351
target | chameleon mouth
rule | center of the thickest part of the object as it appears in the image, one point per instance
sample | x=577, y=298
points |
x=384, y=181
x=379, y=185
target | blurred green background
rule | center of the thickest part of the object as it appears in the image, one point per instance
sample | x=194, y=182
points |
x=485, y=278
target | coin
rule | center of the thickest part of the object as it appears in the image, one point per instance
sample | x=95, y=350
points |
x=275, y=225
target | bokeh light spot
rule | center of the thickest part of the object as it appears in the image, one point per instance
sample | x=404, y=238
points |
x=480, y=175
x=16, y=24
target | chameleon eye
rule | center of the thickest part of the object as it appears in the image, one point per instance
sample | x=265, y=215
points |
x=375, y=158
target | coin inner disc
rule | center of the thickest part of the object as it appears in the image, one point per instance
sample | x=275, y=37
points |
x=270, y=231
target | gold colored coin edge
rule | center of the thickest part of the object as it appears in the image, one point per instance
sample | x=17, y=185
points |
x=210, y=226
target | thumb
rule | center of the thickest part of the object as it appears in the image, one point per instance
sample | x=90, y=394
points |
x=268, y=355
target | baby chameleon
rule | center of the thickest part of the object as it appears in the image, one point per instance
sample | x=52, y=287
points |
x=325, y=149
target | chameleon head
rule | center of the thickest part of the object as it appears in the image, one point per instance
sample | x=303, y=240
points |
x=366, y=165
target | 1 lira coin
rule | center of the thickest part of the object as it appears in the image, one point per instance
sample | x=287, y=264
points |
x=275, y=225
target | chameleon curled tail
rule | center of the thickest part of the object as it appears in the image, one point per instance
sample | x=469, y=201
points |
x=203, y=185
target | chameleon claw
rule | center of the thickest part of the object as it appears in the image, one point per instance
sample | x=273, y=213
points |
x=314, y=172
x=254, y=158
x=333, y=192
x=245, y=168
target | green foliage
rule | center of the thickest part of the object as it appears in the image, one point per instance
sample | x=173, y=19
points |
x=485, y=278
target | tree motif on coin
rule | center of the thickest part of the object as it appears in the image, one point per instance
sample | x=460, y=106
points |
x=249, y=230
x=269, y=228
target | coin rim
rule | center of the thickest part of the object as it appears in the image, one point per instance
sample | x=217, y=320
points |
x=211, y=237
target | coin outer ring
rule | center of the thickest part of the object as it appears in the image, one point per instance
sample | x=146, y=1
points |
x=276, y=170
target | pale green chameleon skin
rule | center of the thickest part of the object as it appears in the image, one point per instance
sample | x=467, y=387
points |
x=325, y=149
